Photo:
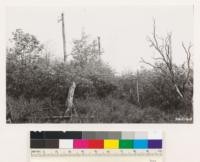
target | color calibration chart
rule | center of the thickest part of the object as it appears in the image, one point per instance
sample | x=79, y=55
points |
x=93, y=146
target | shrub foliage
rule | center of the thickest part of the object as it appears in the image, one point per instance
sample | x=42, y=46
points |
x=37, y=87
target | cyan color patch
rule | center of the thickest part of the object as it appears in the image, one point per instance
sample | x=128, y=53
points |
x=140, y=144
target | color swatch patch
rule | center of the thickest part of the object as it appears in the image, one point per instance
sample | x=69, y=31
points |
x=125, y=144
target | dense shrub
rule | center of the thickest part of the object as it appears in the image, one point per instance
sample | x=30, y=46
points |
x=37, y=89
x=34, y=110
x=111, y=110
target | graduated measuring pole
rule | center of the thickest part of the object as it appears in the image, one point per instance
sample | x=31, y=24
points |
x=63, y=36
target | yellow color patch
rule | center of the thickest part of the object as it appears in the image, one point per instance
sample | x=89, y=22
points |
x=111, y=144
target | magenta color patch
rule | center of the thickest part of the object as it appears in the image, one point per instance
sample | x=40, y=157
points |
x=80, y=144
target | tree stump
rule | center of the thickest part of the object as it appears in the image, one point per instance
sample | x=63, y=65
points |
x=69, y=101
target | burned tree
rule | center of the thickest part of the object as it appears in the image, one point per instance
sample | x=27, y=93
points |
x=164, y=61
x=69, y=101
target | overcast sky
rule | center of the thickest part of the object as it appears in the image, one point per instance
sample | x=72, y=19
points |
x=123, y=29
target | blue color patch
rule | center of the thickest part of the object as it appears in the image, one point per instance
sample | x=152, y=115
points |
x=140, y=144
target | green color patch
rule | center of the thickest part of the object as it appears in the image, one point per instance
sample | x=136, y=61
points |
x=125, y=144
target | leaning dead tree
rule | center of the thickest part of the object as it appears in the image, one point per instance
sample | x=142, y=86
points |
x=163, y=46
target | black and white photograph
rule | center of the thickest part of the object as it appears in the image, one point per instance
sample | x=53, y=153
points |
x=99, y=64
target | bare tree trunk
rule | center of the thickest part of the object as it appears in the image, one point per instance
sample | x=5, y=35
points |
x=63, y=35
x=137, y=89
x=99, y=46
x=178, y=91
x=69, y=101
